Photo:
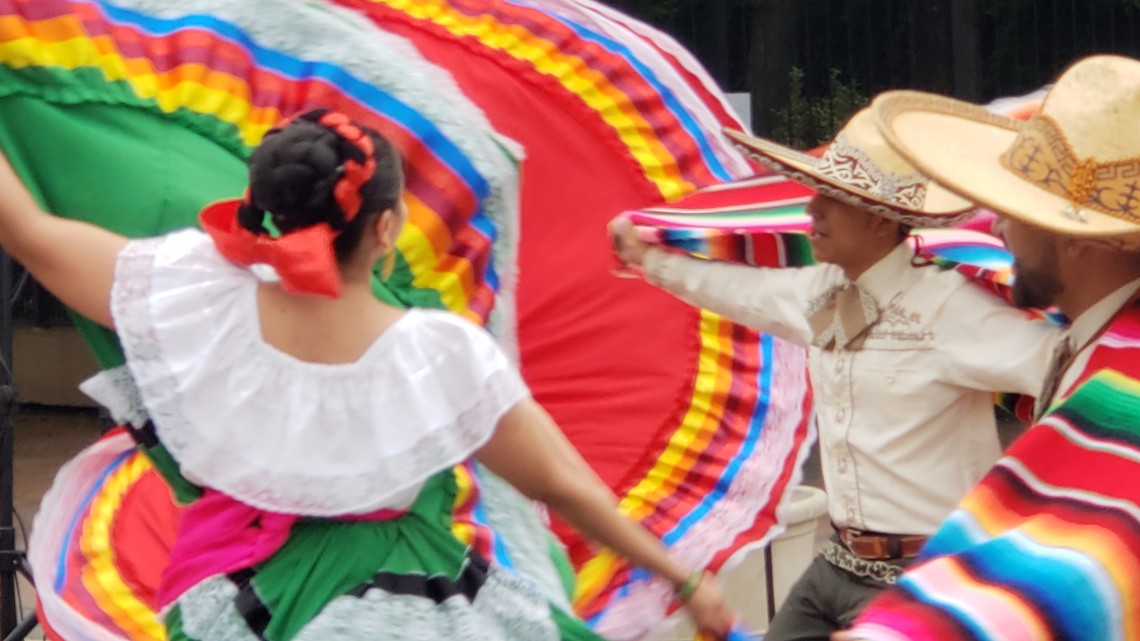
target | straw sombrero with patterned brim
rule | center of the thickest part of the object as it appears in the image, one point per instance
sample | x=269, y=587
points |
x=1073, y=168
x=861, y=169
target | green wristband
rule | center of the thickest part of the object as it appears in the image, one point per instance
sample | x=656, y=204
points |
x=685, y=589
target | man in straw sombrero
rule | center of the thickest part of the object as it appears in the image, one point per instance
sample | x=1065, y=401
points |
x=904, y=358
x=1047, y=545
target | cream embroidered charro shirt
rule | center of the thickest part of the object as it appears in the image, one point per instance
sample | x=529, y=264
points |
x=906, y=423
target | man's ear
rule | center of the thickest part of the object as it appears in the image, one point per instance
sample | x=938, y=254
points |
x=884, y=226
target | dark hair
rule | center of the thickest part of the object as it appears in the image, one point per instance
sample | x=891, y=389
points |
x=295, y=169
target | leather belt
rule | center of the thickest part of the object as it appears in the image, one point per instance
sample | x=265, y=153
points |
x=880, y=547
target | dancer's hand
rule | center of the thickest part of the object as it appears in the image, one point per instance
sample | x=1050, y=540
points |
x=844, y=635
x=629, y=248
x=709, y=610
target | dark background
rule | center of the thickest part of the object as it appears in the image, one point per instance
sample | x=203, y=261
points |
x=809, y=64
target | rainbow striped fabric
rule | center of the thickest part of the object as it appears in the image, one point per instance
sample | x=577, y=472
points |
x=230, y=71
x=88, y=585
x=641, y=86
x=1047, y=546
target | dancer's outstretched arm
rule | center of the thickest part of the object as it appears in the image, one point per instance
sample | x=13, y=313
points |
x=532, y=454
x=74, y=260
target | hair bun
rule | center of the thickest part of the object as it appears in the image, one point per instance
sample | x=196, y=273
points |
x=292, y=175
x=298, y=169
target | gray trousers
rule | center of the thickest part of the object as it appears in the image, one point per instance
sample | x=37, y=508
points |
x=825, y=599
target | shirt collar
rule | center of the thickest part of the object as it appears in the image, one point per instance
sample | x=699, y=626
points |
x=881, y=280
x=1085, y=327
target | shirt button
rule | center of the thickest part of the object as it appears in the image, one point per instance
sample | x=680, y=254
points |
x=841, y=414
x=850, y=515
x=839, y=366
x=842, y=466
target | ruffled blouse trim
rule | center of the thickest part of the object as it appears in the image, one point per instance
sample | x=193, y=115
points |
x=286, y=435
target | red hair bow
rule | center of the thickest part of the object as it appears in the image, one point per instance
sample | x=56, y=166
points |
x=304, y=258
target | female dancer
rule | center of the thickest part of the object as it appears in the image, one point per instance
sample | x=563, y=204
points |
x=325, y=441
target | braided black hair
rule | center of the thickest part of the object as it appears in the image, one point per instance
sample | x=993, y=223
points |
x=293, y=173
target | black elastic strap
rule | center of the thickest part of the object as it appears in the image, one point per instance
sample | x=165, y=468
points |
x=437, y=588
x=249, y=605
x=145, y=436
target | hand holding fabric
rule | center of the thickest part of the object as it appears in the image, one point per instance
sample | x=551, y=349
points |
x=709, y=610
x=630, y=249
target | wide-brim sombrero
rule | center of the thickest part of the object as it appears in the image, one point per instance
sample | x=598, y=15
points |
x=1074, y=168
x=861, y=169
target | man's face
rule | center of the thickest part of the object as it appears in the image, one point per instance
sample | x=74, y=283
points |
x=1035, y=262
x=840, y=233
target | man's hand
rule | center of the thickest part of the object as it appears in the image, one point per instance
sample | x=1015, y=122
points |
x=629, y=248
